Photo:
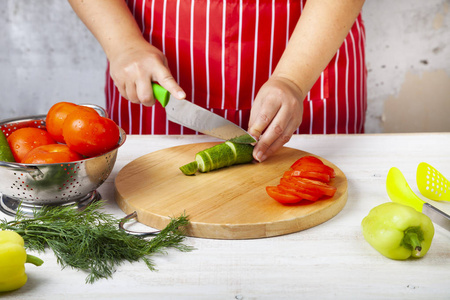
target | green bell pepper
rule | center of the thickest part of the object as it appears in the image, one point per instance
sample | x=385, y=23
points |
x=12, y=261
x=398, y=231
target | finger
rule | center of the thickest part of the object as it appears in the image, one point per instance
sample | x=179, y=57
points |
x=122, y=91
x=130, y=90
x=166, y=80
x=261, y=120
x=275, y=146
x=144, y=92
x=276, y=135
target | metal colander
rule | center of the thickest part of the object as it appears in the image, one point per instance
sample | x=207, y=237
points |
x=32, y=186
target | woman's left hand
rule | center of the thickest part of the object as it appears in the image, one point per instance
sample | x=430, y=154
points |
x=276, y=114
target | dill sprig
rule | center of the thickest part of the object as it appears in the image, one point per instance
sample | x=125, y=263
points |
x=90, y=240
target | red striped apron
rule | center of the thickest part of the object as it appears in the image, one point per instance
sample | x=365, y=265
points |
x=222, y=52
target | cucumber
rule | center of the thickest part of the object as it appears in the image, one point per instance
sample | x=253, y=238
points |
x=190, y=168
x=242, y=152
x=203, y=161
x=5, y=150
x=219, y=156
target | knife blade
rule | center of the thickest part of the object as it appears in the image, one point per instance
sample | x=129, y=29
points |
x=199, y=119
x=436, y=215
x=400, y=192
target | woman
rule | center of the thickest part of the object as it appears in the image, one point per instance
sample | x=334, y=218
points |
x=274, y=67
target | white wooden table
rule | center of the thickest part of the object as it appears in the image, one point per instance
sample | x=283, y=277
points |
x=329, y=261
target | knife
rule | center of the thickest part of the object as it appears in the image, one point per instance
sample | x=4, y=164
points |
x=399, y=191
x=199, y=119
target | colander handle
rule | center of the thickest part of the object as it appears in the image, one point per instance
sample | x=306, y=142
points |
x=32, y=170
x=100, y=110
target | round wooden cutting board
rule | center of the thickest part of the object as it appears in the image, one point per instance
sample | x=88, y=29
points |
x=229, y=203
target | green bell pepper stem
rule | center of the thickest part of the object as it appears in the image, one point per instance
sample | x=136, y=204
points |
x=412, y=239
x=161, y=94
x=34, y=260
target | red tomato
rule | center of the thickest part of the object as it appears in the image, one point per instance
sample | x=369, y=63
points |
x=90, y=134
x=312, y=164
x=307, y=160
x=315, y=168
x=24, y=140
x=282, y=196
x=310, y=175
x=312, y=194
x=313, y=186
x=56, y=117
x=301, y=193
x=52, y=153
x=307, y=179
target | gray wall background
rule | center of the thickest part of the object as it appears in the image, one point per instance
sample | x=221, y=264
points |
x=47, y=56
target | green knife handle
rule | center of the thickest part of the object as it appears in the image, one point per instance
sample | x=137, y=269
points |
x=161, y=94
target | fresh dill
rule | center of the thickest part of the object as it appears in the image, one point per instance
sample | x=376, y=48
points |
x=90, y=240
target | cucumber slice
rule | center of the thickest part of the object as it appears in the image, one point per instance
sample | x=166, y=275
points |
x=243, y=152
x=221, y=156
x=5, y=150
x=204, y=161
x=244, y=139
x=190, y=168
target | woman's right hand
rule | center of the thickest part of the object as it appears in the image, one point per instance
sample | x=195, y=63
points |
x=136, y=67
x=134, y=63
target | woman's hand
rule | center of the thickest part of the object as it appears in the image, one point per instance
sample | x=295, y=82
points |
x=134, y=63
x=134, y=69
x=276, y=114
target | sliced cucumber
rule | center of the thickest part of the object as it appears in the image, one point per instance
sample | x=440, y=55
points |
x=204, y=161
x=219, y=156
x=244, y=139
x=243, y=152
x=190, y=168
